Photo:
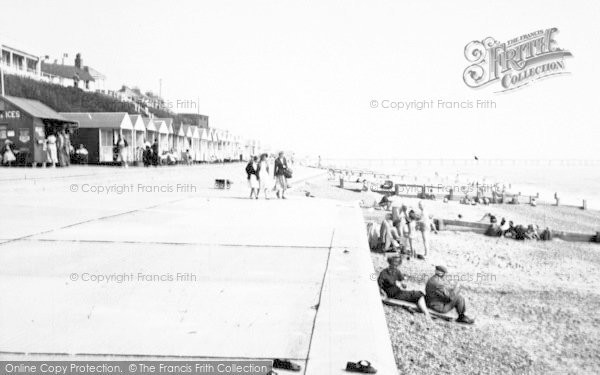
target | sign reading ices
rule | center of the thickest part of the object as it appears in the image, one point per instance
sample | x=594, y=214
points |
x=9, y=114
x=515, y=63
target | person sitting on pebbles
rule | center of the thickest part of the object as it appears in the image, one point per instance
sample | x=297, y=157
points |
x=439, y=297
x=390, y=282
x=389, y=238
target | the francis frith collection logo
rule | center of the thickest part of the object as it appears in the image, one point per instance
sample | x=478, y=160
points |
x=515, y=63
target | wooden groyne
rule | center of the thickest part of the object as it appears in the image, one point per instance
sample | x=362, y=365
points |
x=477, y=227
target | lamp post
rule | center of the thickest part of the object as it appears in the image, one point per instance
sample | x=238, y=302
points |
x=1, y=73
x=2, y=79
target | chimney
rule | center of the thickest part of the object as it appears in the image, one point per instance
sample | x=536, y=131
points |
x=78, y=60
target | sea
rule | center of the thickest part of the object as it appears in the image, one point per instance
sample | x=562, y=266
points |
x=573, y=180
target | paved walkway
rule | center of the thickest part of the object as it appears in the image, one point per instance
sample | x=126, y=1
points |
x=175, y=268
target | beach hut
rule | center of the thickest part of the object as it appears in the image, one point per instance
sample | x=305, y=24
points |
x=180, y=145
x=193, y=140
x=26, y=123
x=99, y=133
x=204, y=144
x=151, y=131
x=139, y=135
x=162, y=135
x=170, y=134
x=250, y=148
x=227, y=151
x=168, y=144
x=226, y=145
x=212, y=145
x=219, y=144
x=239, y=149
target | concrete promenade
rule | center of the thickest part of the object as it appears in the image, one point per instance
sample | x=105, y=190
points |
x=112, y=263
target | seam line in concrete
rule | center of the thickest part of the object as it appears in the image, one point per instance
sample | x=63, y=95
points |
x=312, y=331
x=89, y=221
x=145, y=356
x=176, y=243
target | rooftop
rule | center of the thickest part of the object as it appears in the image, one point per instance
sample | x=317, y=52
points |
x=66, y=71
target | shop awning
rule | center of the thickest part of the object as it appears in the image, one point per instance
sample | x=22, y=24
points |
x=100, y=120
x=37, y=109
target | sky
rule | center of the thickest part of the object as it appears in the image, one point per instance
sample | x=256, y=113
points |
x=302, y=76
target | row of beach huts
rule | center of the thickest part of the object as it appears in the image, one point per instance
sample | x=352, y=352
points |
x=27, y=123
x=99, y=132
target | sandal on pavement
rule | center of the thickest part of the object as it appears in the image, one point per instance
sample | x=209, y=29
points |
x=284, y=364
x=361, y=366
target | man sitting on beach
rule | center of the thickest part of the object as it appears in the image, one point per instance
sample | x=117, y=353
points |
x=388, y=234
x=494, y=229
x=439, y=297
x=388, y=282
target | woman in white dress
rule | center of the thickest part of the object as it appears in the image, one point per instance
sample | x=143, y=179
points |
x=251, y=171
x=8, y=156
x=51, y=150
x=264, y=178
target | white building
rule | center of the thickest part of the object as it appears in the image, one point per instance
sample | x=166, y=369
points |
x=19, y=61
x=76, y=75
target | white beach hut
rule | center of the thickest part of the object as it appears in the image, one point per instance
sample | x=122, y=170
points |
x=204, y=144
x=195, y=142
x=151, y=130
x=163, y=135
x=139, y=134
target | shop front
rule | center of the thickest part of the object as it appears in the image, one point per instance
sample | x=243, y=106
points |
x=26, y=123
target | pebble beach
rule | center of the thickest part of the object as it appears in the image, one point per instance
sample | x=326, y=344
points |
x=535, y=302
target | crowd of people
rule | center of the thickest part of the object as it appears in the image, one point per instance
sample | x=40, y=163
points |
x=401, y=228
x=151, y=156
x=59, y=150
x=518, y=232
x=260, y=178
x=397, y=234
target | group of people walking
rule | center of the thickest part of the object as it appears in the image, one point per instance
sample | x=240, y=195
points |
x=260, y=178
